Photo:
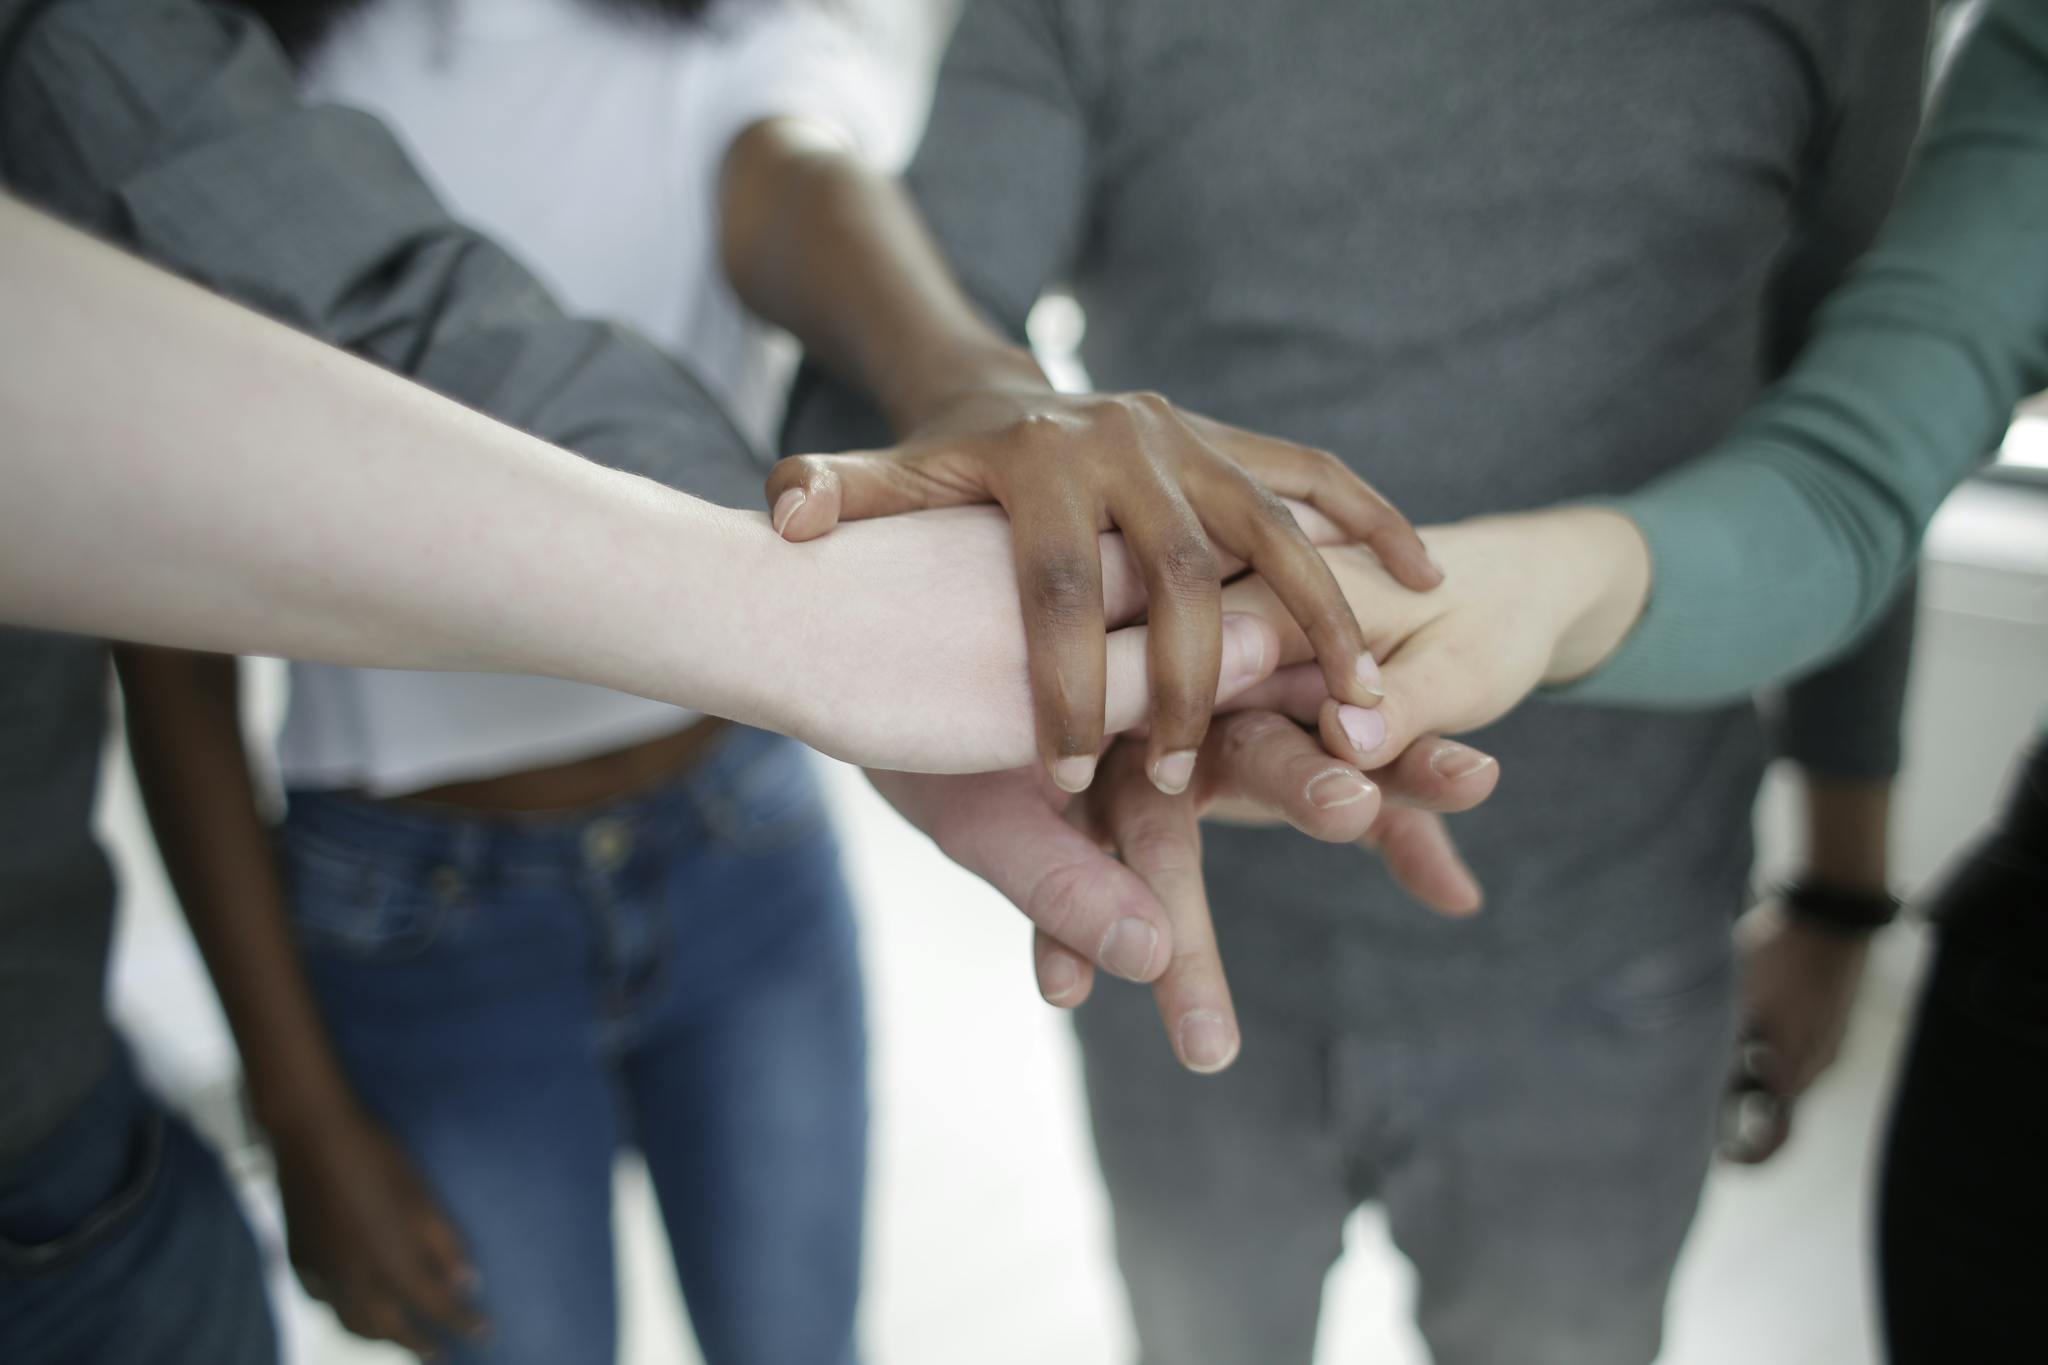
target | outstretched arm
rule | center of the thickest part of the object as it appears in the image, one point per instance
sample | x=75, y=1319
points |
x=1773, y=550
x=179, y=471
x=1769, y=552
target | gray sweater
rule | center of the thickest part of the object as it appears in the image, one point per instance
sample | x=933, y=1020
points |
x=1493, y=254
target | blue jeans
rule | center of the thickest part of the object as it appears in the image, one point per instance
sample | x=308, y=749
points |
x=121, y=1244
x=518, y=998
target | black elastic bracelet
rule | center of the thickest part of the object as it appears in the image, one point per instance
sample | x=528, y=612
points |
x=1844, y=912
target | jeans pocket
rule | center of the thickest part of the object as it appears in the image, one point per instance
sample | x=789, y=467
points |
x=108, y=1218
x=358, y=903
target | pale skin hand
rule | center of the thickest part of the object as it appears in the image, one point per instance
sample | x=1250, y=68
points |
x=1143, y=915
x=1529, y=599
x=1534, y=598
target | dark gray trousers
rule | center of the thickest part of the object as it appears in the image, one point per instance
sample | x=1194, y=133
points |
x=1539, y=1152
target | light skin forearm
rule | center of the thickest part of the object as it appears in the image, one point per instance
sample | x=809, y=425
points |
x=180, y=471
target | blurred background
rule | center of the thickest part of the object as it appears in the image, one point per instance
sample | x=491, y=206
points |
x=989, y=1238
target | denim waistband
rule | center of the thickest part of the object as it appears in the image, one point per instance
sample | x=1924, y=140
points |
x=678, y=810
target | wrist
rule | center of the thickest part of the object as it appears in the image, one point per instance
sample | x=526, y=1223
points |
x=1604, y=567
x=945, y=369
x=1852, y=913
x=1848, y=834
x=293, y=1114
x=755, y=652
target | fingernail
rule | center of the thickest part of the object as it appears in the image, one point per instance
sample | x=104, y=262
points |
x=1434, y=562
x=786, y=507
x=1172, y=773
x=1332, y=790
x=1059, y=978
x=1369, y=675
x=1367, y=730
x=1454, y=760
x=1128, y=947
x=1206, y=1042
x=1074, y=774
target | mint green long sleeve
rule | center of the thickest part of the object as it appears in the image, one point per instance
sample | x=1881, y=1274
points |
x=1774, y=548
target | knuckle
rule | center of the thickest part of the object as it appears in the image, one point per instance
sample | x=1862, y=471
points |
x=1326, y=464
x=1148, y=403
x=1063, y=590
x=1188, y=566
x=1155, y=847
x=1248, y=736
x=1037, y=428
x=1180, y=717
x=1058, y=900
x=1271, y=516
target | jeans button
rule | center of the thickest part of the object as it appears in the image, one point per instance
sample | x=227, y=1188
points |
x=606, y=843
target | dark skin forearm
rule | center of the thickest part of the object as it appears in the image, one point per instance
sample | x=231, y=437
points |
x=365, y=1232
x=1848, y=826
x=185, y=734
x=817, y=242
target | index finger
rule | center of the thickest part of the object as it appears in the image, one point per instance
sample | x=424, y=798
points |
x=1159, y=838
x=1259, y=527
x=1333, y=488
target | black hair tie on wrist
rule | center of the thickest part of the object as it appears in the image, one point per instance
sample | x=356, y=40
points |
x=1842, y=911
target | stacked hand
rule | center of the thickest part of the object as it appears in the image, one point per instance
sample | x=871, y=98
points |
x=1193, y=499
x=1531, y=599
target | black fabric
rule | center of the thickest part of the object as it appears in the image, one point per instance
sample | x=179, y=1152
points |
x=1964, y=1193
x=56, y=890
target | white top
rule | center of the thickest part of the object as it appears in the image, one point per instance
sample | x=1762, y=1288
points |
x=587, y=139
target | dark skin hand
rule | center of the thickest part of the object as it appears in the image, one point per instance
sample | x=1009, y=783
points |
x=365, y=1234
x=368, y=1239
x=817, y=242
x=1800, y=980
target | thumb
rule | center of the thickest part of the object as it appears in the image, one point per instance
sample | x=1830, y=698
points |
x=1432, y=686
x=811, y=494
